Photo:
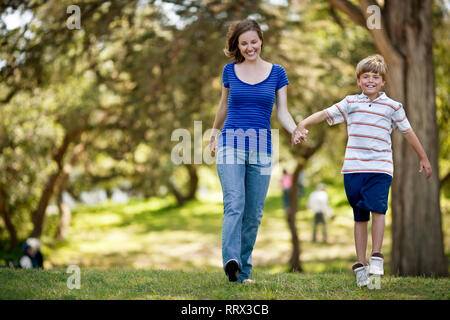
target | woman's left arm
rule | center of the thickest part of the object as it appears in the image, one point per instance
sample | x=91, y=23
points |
x=283, y=114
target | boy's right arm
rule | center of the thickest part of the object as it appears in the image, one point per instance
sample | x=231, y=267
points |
x=315, y=118
x=221, y=115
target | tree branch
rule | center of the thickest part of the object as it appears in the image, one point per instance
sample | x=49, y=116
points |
x=381, y=37
x=351, y=10
x=9, y=96
x=335, y=17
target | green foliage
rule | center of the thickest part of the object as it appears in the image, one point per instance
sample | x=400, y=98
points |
x=28, y=134
x=441, y=47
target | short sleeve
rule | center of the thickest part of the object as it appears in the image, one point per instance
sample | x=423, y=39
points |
x=282, y=78
x=225, y=81
x=337, y=113
x=399, y=120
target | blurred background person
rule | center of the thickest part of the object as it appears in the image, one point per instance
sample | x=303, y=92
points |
x=286, y=184
x=32, y=256
x=318, y=203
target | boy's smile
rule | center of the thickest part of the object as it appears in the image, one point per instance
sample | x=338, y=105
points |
x=371, y=84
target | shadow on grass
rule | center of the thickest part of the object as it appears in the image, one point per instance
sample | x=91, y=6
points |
x=192, y=216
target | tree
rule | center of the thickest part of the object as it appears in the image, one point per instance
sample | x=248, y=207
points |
x=27, y=137
x=405, y=40
x=41, y=58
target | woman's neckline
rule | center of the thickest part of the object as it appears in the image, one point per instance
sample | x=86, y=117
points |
x=252, y=84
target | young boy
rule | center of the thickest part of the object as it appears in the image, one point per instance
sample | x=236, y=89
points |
x=368, y=168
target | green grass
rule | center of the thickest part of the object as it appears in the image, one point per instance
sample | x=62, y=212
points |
x=152, y=249
x=170, y=284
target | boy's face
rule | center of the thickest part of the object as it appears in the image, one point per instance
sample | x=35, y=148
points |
x=371, y=83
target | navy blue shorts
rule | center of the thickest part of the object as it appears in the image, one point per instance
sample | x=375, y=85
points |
x=367, y=192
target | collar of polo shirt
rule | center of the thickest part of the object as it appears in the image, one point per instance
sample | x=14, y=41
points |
x=380, y=97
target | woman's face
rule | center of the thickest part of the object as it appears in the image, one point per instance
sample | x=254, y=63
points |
x=249, y=45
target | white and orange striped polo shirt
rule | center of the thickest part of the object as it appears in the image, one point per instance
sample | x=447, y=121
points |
x=369, y=127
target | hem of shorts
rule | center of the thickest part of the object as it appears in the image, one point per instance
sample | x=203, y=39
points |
x=367, y=171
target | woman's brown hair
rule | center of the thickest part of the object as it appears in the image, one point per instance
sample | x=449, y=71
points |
x=234, y=31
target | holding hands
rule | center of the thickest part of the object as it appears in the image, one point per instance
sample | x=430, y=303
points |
x=299, y=134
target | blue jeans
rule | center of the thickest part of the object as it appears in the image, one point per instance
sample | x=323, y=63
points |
x=245, y=177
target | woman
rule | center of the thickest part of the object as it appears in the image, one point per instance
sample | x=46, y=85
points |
x=251, y=85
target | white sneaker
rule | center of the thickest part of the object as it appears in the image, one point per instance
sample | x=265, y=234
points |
x=249, y=281
x=362, y=275
x=376, y=266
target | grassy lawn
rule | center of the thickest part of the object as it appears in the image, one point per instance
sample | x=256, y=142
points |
x=202, y=284
x=152, y=249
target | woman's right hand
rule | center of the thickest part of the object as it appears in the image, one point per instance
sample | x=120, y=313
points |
x=213, y=144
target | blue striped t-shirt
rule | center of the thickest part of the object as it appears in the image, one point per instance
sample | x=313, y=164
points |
x=247, y=125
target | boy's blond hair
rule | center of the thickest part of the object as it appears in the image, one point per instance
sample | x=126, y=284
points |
x=373, y=64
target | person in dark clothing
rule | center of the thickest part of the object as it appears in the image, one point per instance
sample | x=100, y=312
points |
x=32, y=256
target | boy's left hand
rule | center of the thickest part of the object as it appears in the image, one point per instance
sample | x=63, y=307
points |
x=425, y=164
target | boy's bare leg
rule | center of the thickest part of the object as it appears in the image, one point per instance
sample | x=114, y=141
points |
x=378, y=226
x=361, y=241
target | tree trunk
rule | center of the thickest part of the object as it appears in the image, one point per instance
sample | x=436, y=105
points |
x=294, y=261
x=417, y=244
x=65, y=215
x=5, y=213
x=303, y=154
x=38, y=216
x=193, y=182
x=193, y=185
x=64, y=210
x=405, y=41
